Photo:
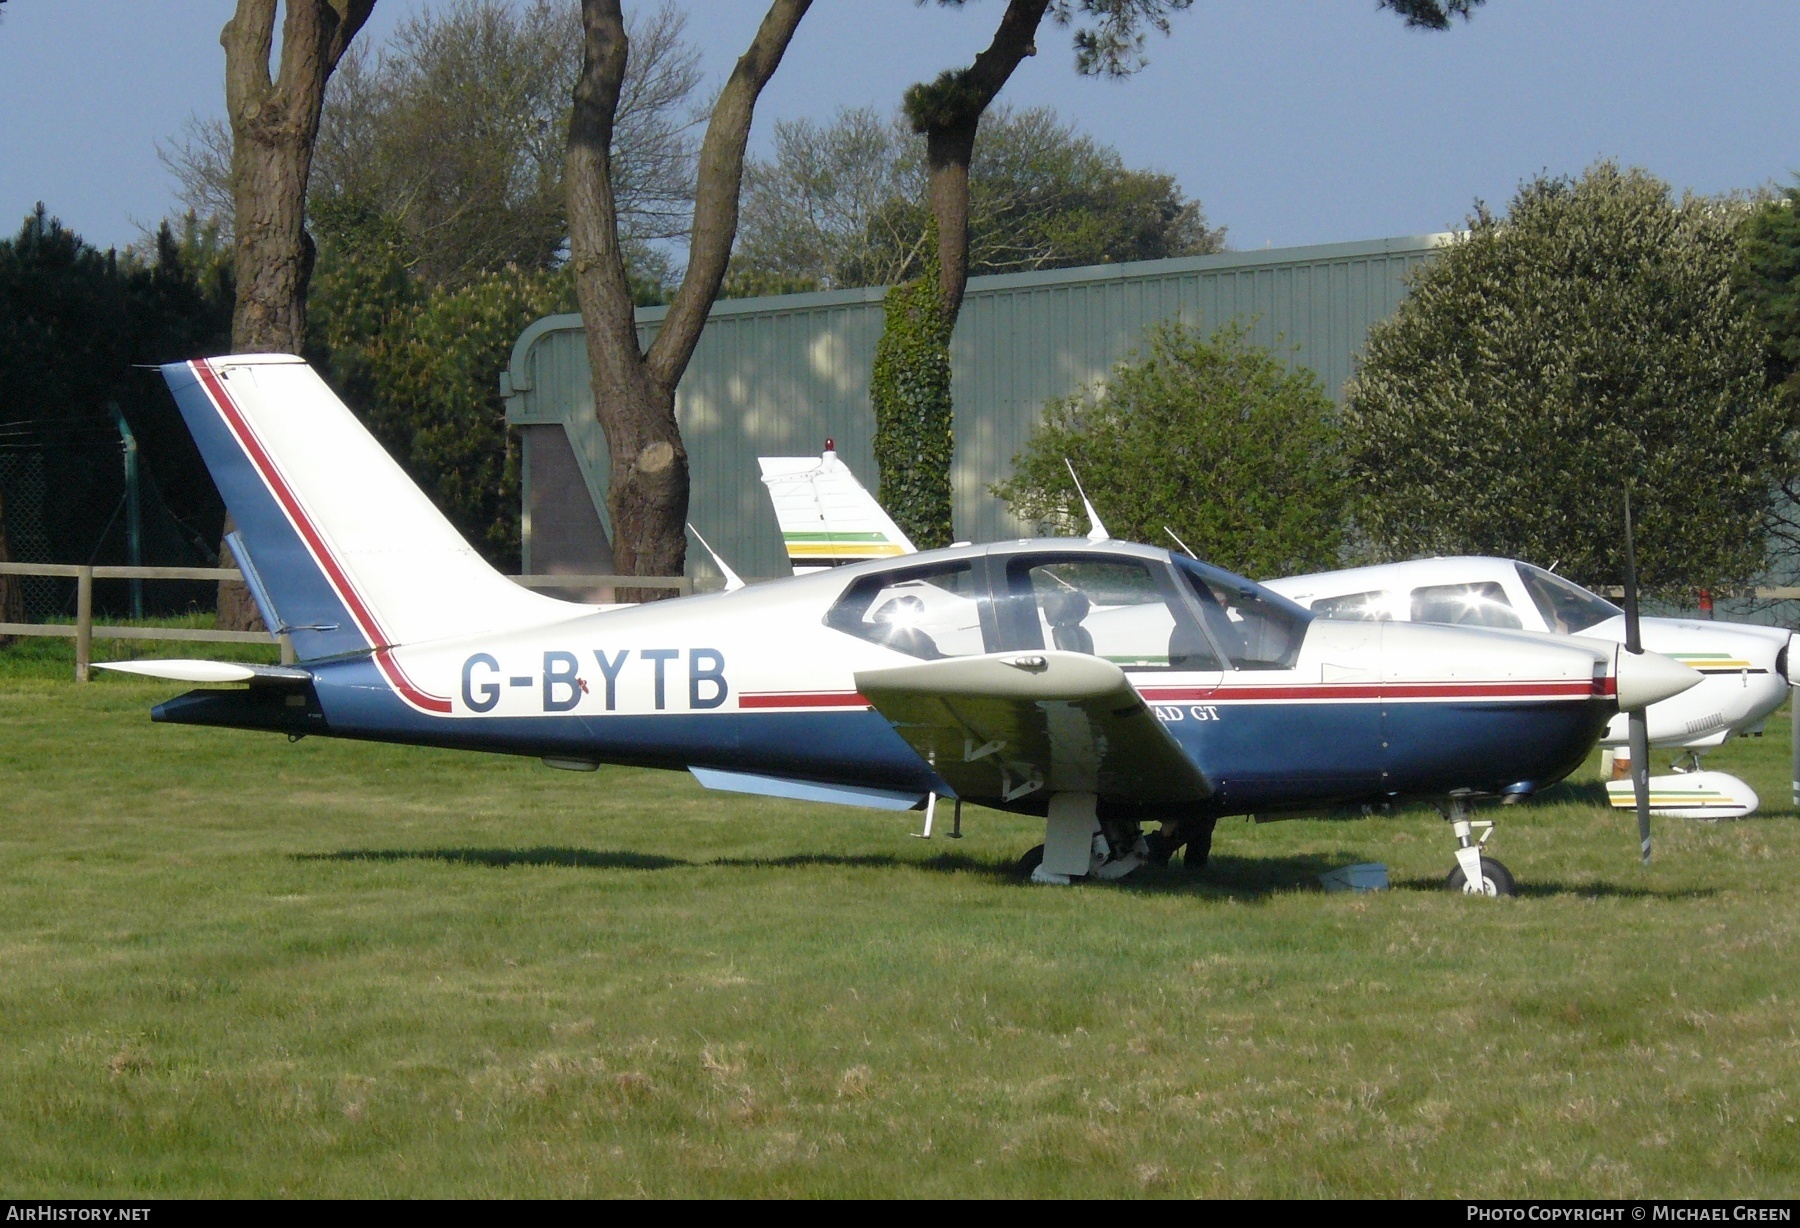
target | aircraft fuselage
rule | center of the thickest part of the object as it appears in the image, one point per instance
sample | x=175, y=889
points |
x=761, y=681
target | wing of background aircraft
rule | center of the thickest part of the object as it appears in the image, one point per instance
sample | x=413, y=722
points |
x=827, y=517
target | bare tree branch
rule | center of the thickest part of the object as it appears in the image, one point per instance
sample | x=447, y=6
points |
x=719, y=179
x=634, y=392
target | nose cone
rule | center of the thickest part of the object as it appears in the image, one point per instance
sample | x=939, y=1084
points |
x=1647, y=677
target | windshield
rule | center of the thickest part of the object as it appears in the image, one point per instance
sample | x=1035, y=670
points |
x=1120, y=609
x=1566, y=607
x=1257, y=629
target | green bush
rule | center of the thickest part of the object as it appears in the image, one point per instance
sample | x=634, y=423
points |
x=1210, y=436
x=421, y=367
x=1588, y=339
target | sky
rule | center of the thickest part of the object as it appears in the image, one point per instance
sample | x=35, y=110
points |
x=1292, y=121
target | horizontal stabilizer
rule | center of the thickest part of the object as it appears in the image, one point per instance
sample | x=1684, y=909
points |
x=807, y=790
x=1689, y=795
x=209, y=671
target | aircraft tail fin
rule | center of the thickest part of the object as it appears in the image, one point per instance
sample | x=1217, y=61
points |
x=827, y=517
x=339, y=547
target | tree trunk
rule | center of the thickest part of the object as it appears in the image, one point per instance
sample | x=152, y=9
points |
x=947, y=113
x=910, y=384
x=274, y=124
x=947, y=154
x=634, y=388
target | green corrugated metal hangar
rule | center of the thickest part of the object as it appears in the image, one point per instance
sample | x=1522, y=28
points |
x=778, y=376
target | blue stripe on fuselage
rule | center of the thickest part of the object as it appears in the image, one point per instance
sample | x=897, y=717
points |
x=1263, y=756
x=1287, y=754
x=1533, y=743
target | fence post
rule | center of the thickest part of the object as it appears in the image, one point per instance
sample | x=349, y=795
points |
x=287, y=649
x=84, y=621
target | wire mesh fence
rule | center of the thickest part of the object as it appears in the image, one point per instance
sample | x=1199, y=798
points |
x=23, y=493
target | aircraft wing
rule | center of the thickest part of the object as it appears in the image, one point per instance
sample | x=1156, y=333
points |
x=1011, y=724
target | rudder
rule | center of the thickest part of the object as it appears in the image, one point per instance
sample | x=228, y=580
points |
x=347, y=550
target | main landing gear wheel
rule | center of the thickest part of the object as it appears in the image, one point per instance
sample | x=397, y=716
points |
x=1102, y=866
x=1496, y=880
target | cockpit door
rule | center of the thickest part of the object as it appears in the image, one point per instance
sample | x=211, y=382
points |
x=1291, y=725
x=1121, y=608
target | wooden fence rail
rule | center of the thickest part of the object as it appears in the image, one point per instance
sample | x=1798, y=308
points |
x=84, y=632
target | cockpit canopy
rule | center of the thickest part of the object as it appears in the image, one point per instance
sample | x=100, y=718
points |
x=1140, y=608
x=1565, y=607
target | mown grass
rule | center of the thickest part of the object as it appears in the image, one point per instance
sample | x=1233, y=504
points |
x=234, y=966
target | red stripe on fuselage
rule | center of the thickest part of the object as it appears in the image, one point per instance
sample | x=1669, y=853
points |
x=1596, y=689
x=309, y=533
x=1488, y=691
x=802, y=699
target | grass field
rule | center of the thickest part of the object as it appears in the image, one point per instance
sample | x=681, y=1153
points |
x=234, y=966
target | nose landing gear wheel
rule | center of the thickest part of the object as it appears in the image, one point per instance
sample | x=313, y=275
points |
x=1496, y=880
x=1029, y=862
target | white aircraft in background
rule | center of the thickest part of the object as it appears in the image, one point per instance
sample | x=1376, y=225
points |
x=1744, y=668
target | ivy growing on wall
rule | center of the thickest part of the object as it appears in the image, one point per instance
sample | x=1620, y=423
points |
x=910, y=387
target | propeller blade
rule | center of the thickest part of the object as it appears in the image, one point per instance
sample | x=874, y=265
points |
x=1640, y=777
x=1639, y=722
x=1634, y=641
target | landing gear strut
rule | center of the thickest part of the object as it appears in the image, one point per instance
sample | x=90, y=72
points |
x=1474, y=874
x=1078, y=845
x=1193, y=834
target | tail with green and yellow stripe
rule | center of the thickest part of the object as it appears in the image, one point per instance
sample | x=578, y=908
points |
x=827, y=517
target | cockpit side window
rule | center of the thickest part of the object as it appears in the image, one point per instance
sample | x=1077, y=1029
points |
x=1479, y=603
x=1125, y=610
x=1566, y=606
x=1372, y=607
x=1257, y=629
x=925, y=612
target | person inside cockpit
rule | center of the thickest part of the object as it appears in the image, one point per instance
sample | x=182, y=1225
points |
x=1064, y=608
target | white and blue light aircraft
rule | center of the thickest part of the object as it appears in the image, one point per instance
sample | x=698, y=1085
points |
x=1745, y=669
x=1099, y=684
